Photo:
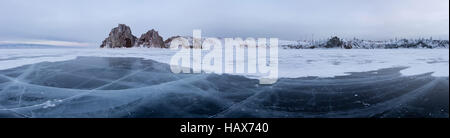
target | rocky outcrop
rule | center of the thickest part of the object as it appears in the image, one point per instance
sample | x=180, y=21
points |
x=334, y=42
x=120, y=37
x=169, y=41
x=151, y=39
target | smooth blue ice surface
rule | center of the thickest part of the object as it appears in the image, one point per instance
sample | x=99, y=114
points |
x=121, y=87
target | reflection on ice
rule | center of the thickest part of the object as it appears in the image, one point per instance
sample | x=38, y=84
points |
x=135, y=87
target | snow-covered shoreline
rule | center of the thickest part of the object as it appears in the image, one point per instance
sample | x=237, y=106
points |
x=367, y=44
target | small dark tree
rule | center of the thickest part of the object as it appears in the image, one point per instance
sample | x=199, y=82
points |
x=348, y=45
x=334, y=42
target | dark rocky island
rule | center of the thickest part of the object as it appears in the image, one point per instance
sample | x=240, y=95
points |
x=122, y=37
x=119, y=37
x=151, y=39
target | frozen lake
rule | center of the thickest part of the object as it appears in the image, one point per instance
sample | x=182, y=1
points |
x=138, y=83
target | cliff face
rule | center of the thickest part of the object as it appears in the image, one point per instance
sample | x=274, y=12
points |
x=151, y=39
x=119, y=37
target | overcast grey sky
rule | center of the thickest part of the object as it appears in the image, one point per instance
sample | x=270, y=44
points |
x=91, y=20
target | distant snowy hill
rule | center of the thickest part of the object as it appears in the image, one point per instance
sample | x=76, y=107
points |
x=365, y=44
x=336, y=42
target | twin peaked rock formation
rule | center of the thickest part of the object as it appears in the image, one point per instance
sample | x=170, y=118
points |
x=121, y=37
